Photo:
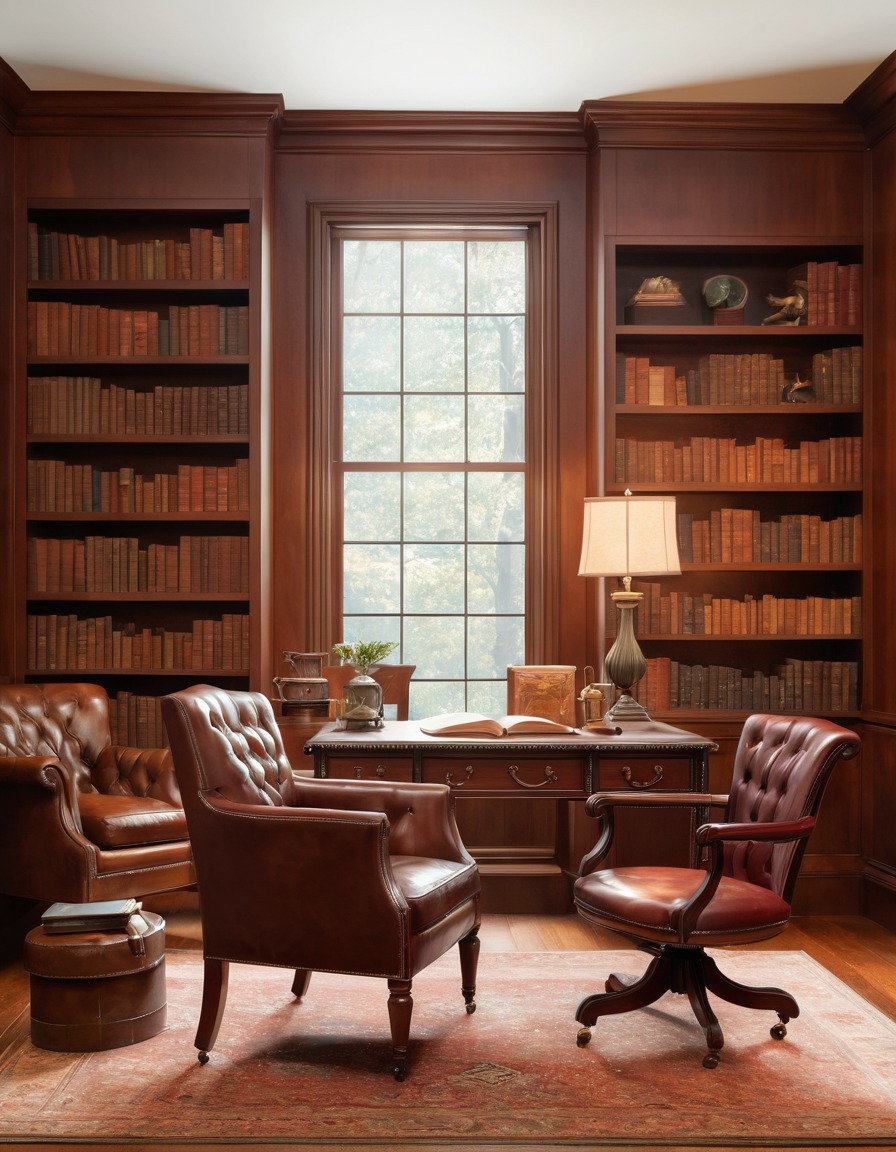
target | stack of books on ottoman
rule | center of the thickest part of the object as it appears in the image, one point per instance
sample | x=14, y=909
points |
x=97, y=916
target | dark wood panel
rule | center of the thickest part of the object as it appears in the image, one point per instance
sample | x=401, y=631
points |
x=669, y=192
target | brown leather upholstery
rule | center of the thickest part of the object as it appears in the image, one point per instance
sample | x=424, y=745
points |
x=360, y=877
x=781, y=767
x=394, y=679
x=80, y=818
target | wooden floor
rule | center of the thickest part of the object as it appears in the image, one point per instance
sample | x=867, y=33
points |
x=856, y=950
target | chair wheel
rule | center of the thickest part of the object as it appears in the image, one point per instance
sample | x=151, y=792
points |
x=202, y=1057
x=583, y=1037
x=778, y=1031
x=471, y=1008
x=711, y=1060
x=399, y=1072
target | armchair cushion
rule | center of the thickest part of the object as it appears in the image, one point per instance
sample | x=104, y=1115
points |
x=111, y=821
x=432, y=888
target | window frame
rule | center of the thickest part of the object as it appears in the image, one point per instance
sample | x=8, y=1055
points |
x=330, y=223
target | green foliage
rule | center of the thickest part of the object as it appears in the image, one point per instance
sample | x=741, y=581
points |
x=363, y=653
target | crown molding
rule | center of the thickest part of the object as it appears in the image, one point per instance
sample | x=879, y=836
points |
x=648, y=124
x=148, y=113
x=13, y=94
x=458, y=132
x=874, y=101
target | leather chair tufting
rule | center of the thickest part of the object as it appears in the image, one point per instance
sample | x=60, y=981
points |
x=367, y=878
x=781, y=767
x=80, y=818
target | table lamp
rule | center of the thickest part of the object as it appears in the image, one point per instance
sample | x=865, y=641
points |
x=625, y=536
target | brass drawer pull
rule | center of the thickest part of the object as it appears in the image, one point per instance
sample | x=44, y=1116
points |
x=657, y=777
x=359, y=771
x=449, y=777
x=549, y=773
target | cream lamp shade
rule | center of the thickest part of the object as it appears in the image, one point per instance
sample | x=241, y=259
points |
x=629, y=536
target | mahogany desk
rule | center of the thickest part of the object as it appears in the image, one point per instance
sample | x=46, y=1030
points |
x=645, y=756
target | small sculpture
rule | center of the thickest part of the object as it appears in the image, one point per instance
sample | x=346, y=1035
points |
x=658, y=290
x=798, y=391
x=792, y=309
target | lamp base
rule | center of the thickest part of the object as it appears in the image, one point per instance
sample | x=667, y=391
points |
x=626, y=709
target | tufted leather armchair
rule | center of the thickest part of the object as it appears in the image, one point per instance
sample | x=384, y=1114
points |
x=361, y=877
x=81, y=819
x=781, y=767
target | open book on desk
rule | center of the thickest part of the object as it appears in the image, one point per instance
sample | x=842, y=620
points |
x=472, y=724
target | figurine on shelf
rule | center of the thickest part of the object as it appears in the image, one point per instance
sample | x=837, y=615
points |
x=798, y=391
x=658, y=291
x=792, y=309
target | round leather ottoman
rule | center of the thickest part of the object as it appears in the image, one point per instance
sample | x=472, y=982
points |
x=97, y=990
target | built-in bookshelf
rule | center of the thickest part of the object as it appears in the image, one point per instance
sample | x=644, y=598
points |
x=140, y=531
x=755, y=425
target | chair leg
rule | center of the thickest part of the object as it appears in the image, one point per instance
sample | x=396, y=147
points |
x=624, y=996
x=691, y=973
x=767, y=999
x=401, y=1005
x=468, y=947
x=300, y=982
x=214, y=997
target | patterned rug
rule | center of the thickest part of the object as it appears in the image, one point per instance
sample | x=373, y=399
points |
x=319, y=1071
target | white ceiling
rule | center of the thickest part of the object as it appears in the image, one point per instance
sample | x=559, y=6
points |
x=459, y=55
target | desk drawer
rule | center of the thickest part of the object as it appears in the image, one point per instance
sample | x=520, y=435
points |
x=520, y=775
x=365, y=767
x=644, y=774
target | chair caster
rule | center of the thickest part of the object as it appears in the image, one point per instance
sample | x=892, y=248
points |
x=470, y=1008
x=399, y=1071
x=778, y=1031
x=202, y=1057
x=711, y=1060
x=583, y=1037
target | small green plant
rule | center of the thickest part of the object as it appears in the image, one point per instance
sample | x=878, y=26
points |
x=363, y=653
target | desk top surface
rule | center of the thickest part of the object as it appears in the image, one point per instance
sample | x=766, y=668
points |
x=405, y=736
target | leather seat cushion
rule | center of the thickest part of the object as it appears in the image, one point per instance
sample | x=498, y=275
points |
x=647, y=897
x=129, y=821
x=433, y=888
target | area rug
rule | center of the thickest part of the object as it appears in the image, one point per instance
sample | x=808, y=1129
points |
x=511, y=1072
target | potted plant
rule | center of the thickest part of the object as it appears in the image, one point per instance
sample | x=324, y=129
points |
x=362, y=697
x=363, y=654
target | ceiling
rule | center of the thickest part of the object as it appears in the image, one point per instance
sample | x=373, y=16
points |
x=464, y=55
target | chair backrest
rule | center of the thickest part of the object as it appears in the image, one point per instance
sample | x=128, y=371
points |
x=781, y=767
x=394, y=679
x=67, y=721
x=227, y=742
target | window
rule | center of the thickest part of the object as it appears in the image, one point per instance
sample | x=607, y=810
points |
x=431, y=466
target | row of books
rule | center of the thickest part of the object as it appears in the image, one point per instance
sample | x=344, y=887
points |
x=135, y=720
x=63, y=642
x=55, y=486
x=741, y=536
x=675, y=613
x=82, y=406
x=717, y=460
x=207, y=254
x=120, y=564
x=834, y=291
x=835, y=377
x=811, y=686
x=59, y=328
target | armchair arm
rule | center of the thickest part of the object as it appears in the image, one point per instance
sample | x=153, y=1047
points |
x=42, y=845
x=306, y=887
x=147, y=772
x=781, y=831
x=421, y=816
x=601, y=806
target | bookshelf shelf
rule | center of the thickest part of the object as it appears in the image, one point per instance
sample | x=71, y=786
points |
x=139, y=448
x=757, y=430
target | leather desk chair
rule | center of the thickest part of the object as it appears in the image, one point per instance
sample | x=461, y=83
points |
x=360, y=877
x=80, y=818
x=781, y=767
